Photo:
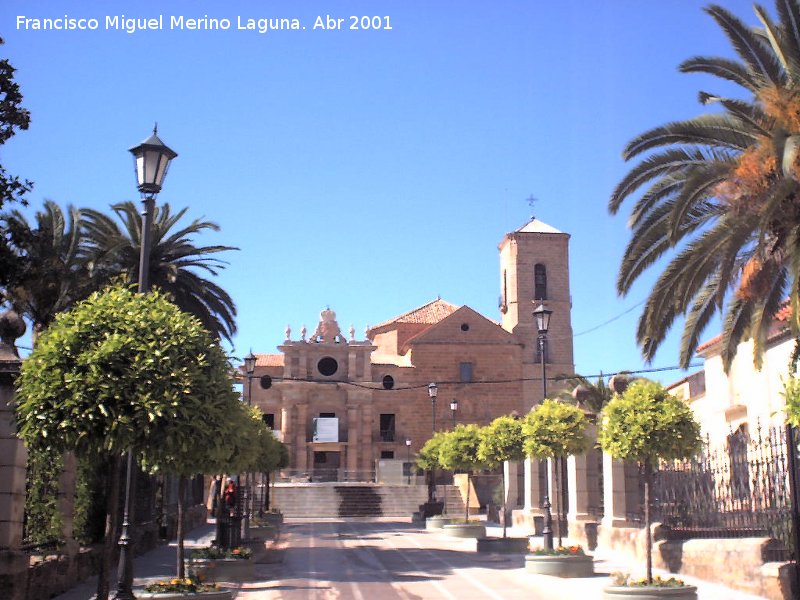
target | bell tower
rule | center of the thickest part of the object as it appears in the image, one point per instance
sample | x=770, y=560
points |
x=534, y=269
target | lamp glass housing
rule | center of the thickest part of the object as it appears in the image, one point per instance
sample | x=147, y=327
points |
x=433, y=391
x=542, y=315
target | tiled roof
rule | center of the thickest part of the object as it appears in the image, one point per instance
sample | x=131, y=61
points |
x=783, y=314
x=269, y=360
x=428, y=314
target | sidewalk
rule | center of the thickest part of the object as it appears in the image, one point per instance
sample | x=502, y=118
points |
x=159, y=563
x=605, y=564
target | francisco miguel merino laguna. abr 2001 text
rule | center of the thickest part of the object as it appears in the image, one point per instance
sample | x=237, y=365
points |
x=204, y=23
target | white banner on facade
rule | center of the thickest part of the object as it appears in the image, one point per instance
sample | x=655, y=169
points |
x=326, y=429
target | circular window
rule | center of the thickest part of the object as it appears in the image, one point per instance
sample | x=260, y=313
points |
x=388, y=382
x=327, y=366
x=465, y=327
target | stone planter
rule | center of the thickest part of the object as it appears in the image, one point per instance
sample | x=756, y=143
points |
x=507, y=545
x=223, y=569
x=574, y=565
x=216, y=595
x=437, y=522
x=465, y=530
x=623, y=592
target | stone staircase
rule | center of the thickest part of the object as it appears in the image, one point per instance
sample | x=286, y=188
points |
x=455, y=504
x=348, y=500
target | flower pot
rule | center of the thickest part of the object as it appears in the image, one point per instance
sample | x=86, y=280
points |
x=465, y=530
x=562, y=565
x=507, y=545
x=624, y=592
x=437, y=522
x=223, y=569
x=215, y=595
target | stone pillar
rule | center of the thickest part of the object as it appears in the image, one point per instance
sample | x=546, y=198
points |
x=286, y=433
x=530, y=515
x=13, y=460
x=353, y=438
x=620, y=493
x=367, y=463
x=301, y=441
x=511, y=491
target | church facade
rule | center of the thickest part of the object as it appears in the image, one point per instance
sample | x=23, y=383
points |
x=341, y=403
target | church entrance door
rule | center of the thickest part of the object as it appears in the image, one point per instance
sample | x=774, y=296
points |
x=326, y=466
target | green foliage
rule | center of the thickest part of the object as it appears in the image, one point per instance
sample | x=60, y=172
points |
x=91, y=484
x=458, y=450
x=13, y=117
x=428, y=456
x=554, y=429
x=791, y=392
x=42, y=512
x=123, y=370
x=501, y=440
x=646, y=423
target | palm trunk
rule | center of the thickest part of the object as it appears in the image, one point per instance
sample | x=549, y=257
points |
x=110, y=536
x=466, y=509
x=181, y=525
x=648, y=474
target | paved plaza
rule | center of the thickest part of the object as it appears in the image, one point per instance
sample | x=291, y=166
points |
x=381, y=559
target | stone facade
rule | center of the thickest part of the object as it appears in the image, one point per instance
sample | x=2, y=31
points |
x=377, y=387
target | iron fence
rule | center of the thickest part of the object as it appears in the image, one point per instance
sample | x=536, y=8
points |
x=740, y=488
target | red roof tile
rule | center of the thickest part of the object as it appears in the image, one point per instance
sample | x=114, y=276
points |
x=269, y=360
x=428, y=314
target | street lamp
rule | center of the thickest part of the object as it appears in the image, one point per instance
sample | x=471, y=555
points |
x=433, y=391
x=408, y=460
x=249, y=368
x=151, y=158
x=453, y=409
x=542, y=316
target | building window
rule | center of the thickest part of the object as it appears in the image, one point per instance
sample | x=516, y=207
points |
x=539, y=282
x=269, y=420
x=387, y=453
x=465, y=372
x=327, y=366
x=327, y=415
x=387, y=427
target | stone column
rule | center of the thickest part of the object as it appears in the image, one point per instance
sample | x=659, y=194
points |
x=301, y=441
x=530, y=515
x=366, y=464
x=286, y=433
x=619, y=496
x=511, y=491
x=13, y=460
x=353, y=438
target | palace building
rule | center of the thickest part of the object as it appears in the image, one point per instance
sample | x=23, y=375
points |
x=342, y=403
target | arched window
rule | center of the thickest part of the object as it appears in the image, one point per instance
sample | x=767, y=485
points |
x=539, y=282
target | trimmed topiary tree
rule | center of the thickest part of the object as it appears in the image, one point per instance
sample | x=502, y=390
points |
x=458, y=451
x=121, y=371
x=555, y=430
x=500, y=441
x=647, y=424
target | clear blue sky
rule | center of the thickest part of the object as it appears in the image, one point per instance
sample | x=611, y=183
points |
x=371, y=170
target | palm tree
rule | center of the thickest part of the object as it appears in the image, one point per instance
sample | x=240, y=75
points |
x=174, y=260
x=722, y=196
x=591, y=396
x=50, y=273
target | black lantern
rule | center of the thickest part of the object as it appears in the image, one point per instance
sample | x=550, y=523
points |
x=542, y=316
x=152, y=158
x=250, y=363
x=433, y=391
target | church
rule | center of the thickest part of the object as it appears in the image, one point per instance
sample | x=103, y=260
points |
x=340, y=403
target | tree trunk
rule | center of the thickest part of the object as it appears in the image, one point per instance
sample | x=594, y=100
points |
x=266, y=498
x=648, y=475
x=220, y=505
x=181, y=525
x=110, y=535
x=466, y=510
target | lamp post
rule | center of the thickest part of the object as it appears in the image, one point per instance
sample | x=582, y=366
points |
x=433, y=391
x=151, y=159
x=249, y=368
x=408, y=460
x=453, y=409
x=542, y=316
